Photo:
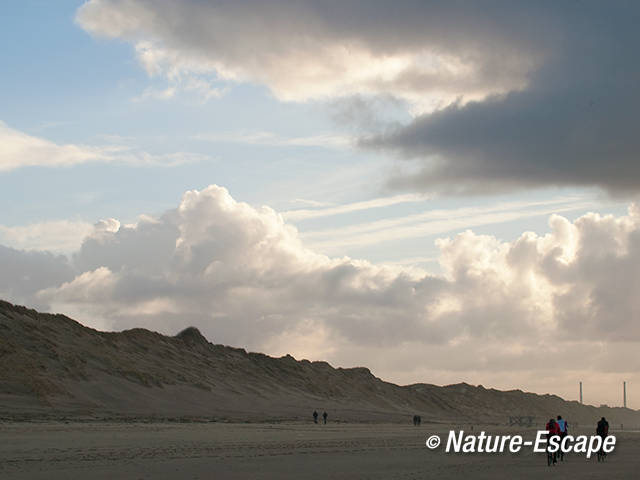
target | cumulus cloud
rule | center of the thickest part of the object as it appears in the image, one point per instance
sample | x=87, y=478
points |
x=19, y=149
x=243, y=276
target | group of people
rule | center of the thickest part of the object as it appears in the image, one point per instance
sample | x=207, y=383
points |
x=560, y=427
x=324, y=417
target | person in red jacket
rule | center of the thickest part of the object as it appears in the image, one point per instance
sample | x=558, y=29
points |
x=554, y=429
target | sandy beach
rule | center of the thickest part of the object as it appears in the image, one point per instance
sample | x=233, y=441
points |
x=226, y=222
x=273, y=451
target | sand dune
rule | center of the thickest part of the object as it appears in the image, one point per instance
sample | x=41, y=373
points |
x=51, y=367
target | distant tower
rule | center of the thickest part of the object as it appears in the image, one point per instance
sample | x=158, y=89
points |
x=580, y=392
x=624, y=394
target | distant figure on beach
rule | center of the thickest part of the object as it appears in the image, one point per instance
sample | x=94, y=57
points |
x=554, y=430
x=324, y=417
x=315, y=417
x=602, y=429
x=416, y=420
x=564, y=426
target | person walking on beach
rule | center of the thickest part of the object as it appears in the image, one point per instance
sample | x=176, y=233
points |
x=315, y=417
x=563, y=425
x=324, y=417
x=554, y=430
x=602, y=430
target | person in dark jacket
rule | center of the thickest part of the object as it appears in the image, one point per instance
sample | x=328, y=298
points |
x=602, y=429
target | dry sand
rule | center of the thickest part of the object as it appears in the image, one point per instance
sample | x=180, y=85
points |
x=273, y=451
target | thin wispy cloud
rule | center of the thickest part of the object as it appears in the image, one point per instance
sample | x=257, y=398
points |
x=435, y=222
x=311, y=203
x=52, y=125
x=306, y=214
x=270, y=139
x=202, y=90
x=19, y=149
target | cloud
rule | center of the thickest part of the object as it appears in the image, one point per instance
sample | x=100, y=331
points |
x=271, y=139
x=18, y=150
x=305, y=214
x=311, y=203
x=243, y=276
x=23, y=274
x=60, y=236
x=435, y=222
x=573, y=124
x=506, y=95
x=203, y=90
x=428, y=53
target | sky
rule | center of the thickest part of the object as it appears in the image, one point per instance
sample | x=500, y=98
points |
x=439, y=191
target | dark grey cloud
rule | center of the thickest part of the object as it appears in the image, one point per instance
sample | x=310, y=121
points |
x=574, y=124
x=368, y=114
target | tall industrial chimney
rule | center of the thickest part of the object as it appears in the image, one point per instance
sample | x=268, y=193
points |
x=624, y=394
x=580, y=392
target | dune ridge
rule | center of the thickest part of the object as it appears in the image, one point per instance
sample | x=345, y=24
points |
x=53, y=367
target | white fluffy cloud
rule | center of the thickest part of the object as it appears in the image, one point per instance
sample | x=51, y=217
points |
x=501, y=310
x=19, y=149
